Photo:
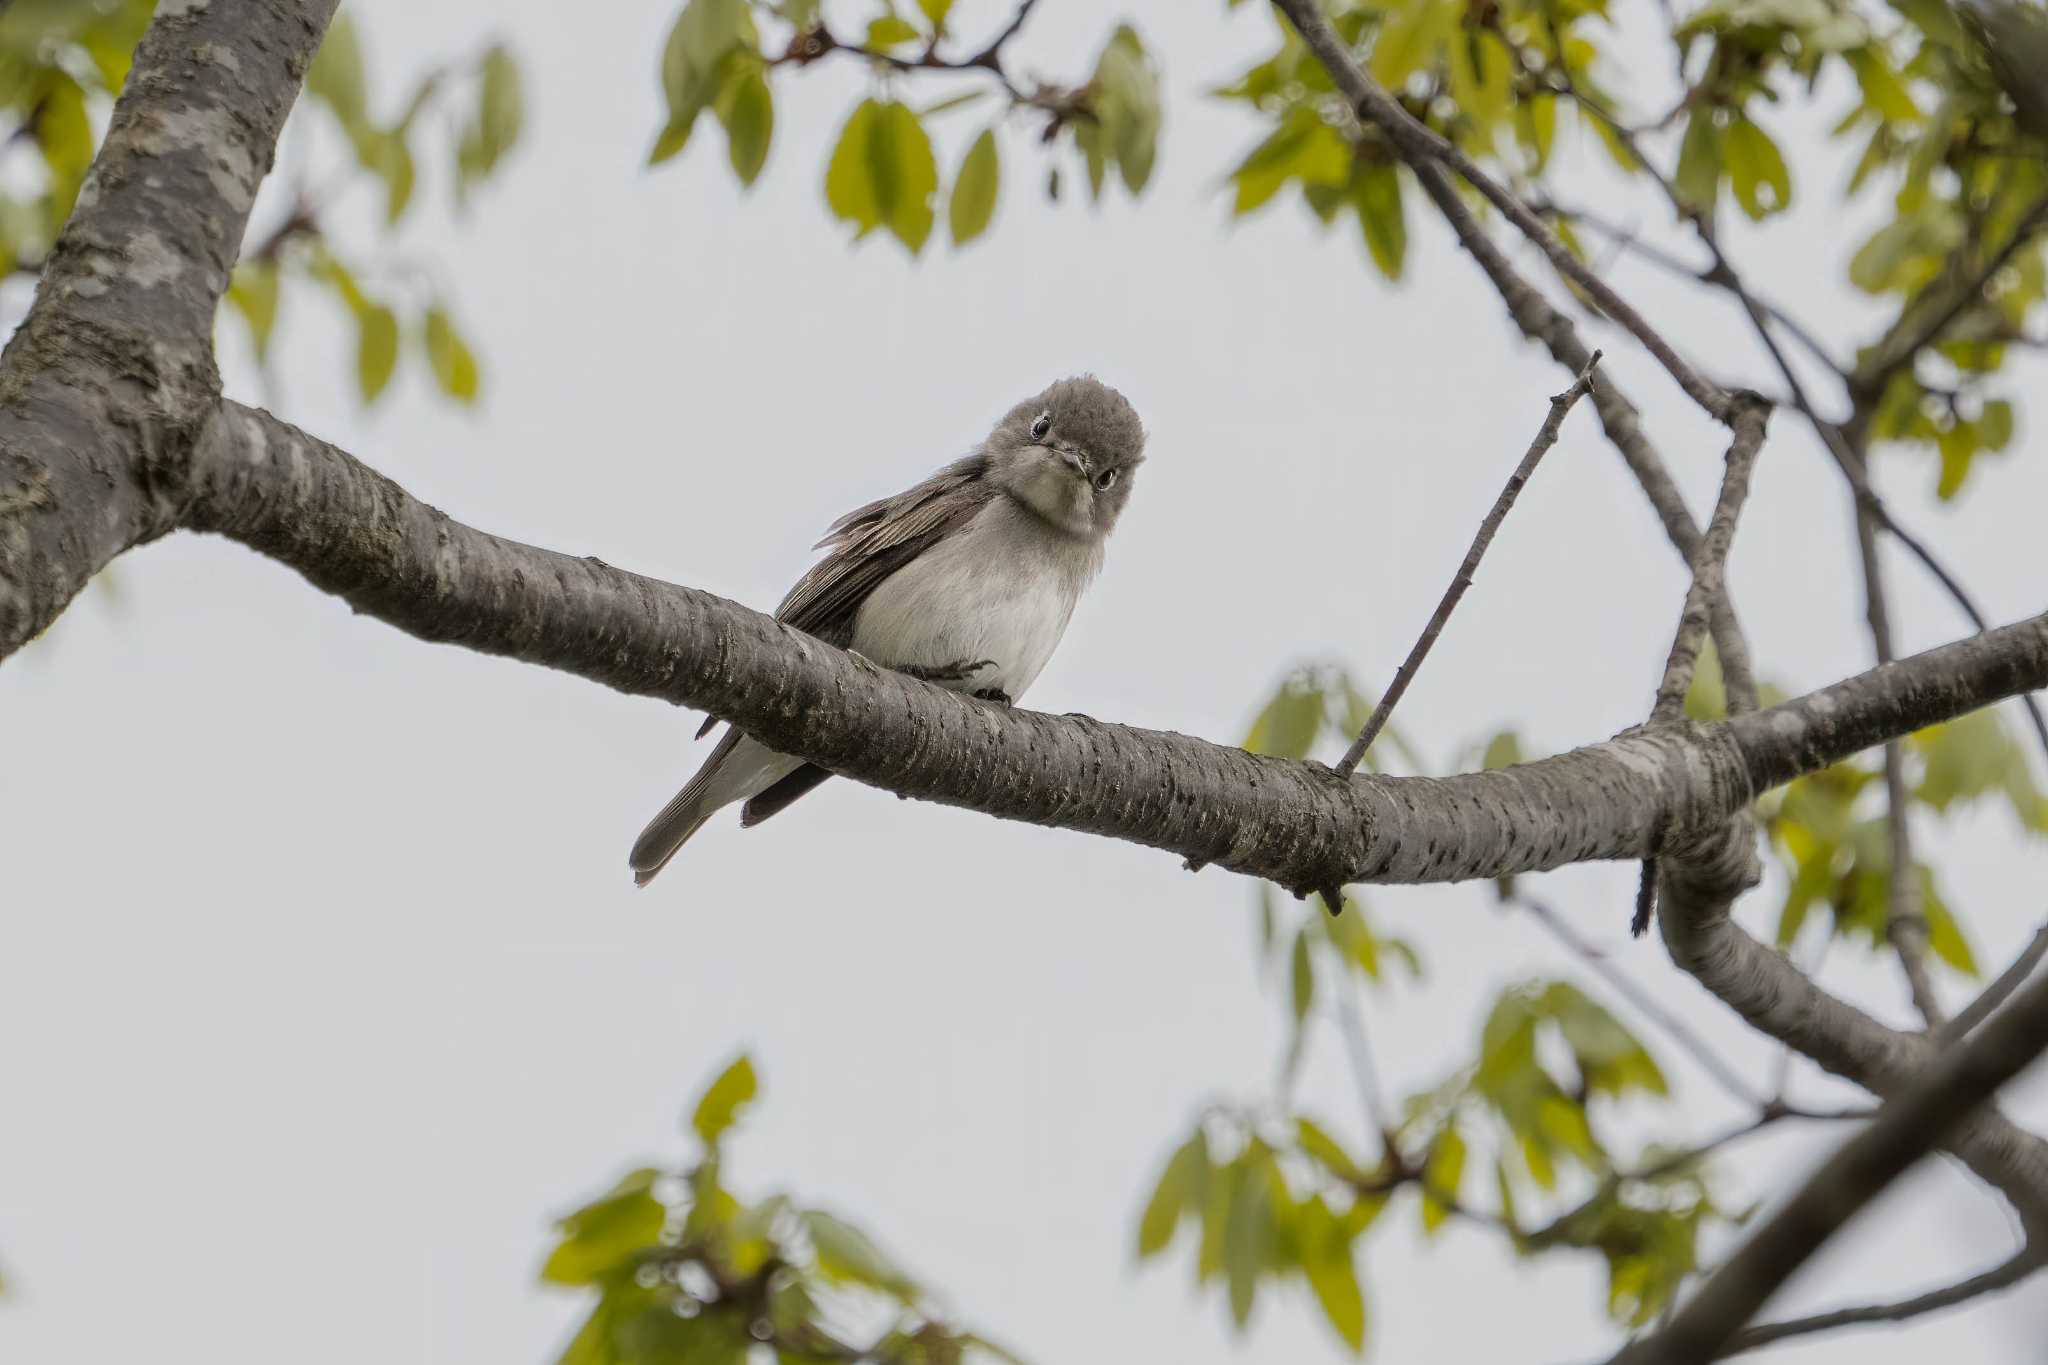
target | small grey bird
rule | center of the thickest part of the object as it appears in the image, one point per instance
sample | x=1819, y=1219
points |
x=966, y=580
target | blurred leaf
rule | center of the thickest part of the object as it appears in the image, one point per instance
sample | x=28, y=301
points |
x=376, y=349
x=973, y=202
x=887, y=30
x=1327, y=1150
x=253, y=292
x=607, y=1234
x=845, y=1254
x=1442, y=1174
x=1303, y=976
x=1288, y=725
x=336, y=74
x=1944, y=934
x=1756, y=169
x=747, y=110
x=1247, y=1231
x=454, y=364
x=1327, y=1263
x=723, y=1099
x=1179, y=1191
x=1376, y=195
x=1698, y=178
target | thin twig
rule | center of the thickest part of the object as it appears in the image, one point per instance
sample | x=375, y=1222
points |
x=1905, y=925
x=1905, y=1129
x=1994, y=995
x=1710, y=564
x=1544, y=323
x=1990, y=1282
x=1709, y=585
x=1729, y=1078
x=1546, y=437
x=1417, y=143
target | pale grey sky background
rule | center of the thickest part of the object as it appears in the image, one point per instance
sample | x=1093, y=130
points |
x=325, y=984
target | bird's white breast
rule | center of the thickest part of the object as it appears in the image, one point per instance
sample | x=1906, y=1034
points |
x=1001, y=588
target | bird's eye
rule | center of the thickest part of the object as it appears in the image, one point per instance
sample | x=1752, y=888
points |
x=1040, y=425
x=1106, y=480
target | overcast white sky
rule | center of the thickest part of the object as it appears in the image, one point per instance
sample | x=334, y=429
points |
x=326, y=984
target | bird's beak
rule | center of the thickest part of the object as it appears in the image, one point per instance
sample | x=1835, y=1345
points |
x=1075, y=460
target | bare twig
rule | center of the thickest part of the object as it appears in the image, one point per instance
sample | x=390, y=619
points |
x=1905, y=924
x=1949, y=1296
x=1541, y=322
x=1994, y=995
x=1546, y=437
x=810, y=44
x=1906, y=1128
x=1416, y=144
x=1710, y=564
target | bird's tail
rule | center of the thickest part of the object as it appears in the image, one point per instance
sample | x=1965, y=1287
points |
x=738, y=768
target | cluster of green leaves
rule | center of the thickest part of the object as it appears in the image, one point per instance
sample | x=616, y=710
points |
x=1968, y=177
x=1271, y=1197
x=686, y=1273
x=61, y=64
x=490, y=125
x=883, y=174
x=1488, y=76
x=1829, y=833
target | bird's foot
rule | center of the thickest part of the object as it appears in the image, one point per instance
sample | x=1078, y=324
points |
x=946, y=673
x=994, y=694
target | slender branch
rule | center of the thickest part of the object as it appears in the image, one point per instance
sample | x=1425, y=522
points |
x=1541, y=322
x=1933, y=1301
x=810, y=44
x=1994, y=995
x=1901, y=348
x=1634, y=243
x=1710, y=563
x=1905, y=1130
x=1905, y=924
x=1546, y=437
x=1646, y=1004
x=1417, y=143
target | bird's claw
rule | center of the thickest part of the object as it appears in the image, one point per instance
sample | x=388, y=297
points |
x=945, y=673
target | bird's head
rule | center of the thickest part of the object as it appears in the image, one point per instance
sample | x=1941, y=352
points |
x=1069, y=454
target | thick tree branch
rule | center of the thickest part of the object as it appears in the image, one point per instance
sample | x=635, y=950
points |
x=110, y=377
x=1940, y=1101
x=1546, y=437
x=356, y=534
x=1933, y=1301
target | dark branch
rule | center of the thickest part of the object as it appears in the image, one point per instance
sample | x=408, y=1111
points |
x=1418, y=144
x=1906, y=1129
x=1933, y=1301
x=1546, y=437
x=1994, y=995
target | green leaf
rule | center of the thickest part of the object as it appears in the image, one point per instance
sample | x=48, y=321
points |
x=747, y=110
x=703, y=47
x=1698, y=179
x=1124, y=99
x=1441, y=1175
x=1408, y=37
x=1247, y=1232
x=1504, y=750
x=906, y=174
x=1288, y=725
x=64, y=134
x=723, y=1099
x=845, y=1254
x=253, y=292
x=1376, y=194
x=607, y=1234
x=500, y=108
x=1327, y=1263
x=886, y=31
x=1326, y=1149
x=376, y=349
x=1303, y=975
x=849, y=182
x=1944, y=934
x=1756, y=169
x=1179, y=1191
x=454, y=365
x=1302, y=148
x=973, y=202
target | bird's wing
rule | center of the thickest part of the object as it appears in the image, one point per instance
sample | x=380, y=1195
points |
x=867, y=545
